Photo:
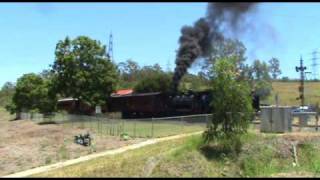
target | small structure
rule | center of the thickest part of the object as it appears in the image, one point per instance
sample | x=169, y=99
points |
x=276, y=119
x=75, y=106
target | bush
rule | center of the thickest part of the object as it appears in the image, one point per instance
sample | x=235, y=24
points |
x=230, y=98
x=32, y=95
x=157, y=82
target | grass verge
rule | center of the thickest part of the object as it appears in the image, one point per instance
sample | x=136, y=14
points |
x=261, y=156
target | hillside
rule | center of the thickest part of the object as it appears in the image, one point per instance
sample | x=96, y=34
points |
x=288, y=92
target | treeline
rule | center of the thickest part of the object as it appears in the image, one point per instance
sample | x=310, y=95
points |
x=83, y=70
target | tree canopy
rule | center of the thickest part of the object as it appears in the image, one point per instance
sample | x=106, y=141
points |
x=157, y=82
x=274, y=67
x=6, y=93
x=82, y=70
x=32, y=93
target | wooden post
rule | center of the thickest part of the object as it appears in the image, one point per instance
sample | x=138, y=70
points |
x=134, y=130
x=152, y=128
x=317, y=121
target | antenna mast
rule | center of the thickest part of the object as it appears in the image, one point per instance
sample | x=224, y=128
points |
x=110, y=47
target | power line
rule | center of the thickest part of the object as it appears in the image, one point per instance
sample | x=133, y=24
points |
x=314, y=65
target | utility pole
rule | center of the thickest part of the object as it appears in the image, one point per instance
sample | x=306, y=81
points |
x=301, y=87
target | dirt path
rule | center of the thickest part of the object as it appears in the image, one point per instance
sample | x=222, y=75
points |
x=92, y=156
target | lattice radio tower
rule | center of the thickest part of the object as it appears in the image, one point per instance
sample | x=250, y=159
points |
x=110, y=47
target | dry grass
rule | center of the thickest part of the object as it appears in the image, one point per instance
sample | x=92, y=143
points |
x=288, y=92
x=25, y=144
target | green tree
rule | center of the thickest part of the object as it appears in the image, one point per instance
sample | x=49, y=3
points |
x=32, y=93
x=274, y=67
x=6, y=93
x=82, y=70
x=129, y=70
x=231, y=105
x=193, y=82
x=224, y=49
x=157, y=82
x=261, y=83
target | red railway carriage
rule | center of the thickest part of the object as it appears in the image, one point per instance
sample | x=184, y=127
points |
x=140, y=105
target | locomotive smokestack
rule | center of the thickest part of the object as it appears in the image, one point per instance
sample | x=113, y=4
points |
x=195, y=41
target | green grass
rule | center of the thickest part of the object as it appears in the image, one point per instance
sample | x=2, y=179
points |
x=131, y=163
x=261, y=156
x=138, y=128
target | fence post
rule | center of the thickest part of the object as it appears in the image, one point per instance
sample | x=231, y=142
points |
x=182, y=124
x=71, y=122
x=134, y=129
x=207, y=123
x=317, y=121
x=99, y=125
x=112, y=128
x=152, y=127
x=123, y=125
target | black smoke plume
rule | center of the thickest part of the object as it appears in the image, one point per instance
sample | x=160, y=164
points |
x=196, y=41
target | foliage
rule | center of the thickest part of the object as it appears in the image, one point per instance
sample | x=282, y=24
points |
x=193, y=82
x=224, y=49
x=157, y=82
x=285, y=79
x=231, y=97
x=257, y=75
x=129, y=70
x=131, y=73
x=82, y=70
x=274, y=67
x=263, y=88
x=260, y=70
x=6, y=93
x=32, y=94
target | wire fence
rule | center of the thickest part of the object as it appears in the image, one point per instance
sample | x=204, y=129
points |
x=102, y=125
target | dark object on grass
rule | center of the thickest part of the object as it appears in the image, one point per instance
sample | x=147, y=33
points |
x=83, y=139
x=47, y=122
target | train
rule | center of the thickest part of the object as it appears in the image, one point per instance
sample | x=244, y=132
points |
x=153, y=104
x=157, y=104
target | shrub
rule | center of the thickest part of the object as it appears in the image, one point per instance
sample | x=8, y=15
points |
x=230, y=98
x=157, y=82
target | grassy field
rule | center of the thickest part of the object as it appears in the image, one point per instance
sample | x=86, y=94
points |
x=288, y=92
x=261, y=156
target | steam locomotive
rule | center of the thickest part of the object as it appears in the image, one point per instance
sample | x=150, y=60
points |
x=157, y=104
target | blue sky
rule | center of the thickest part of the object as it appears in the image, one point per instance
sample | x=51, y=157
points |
x=146, y=32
